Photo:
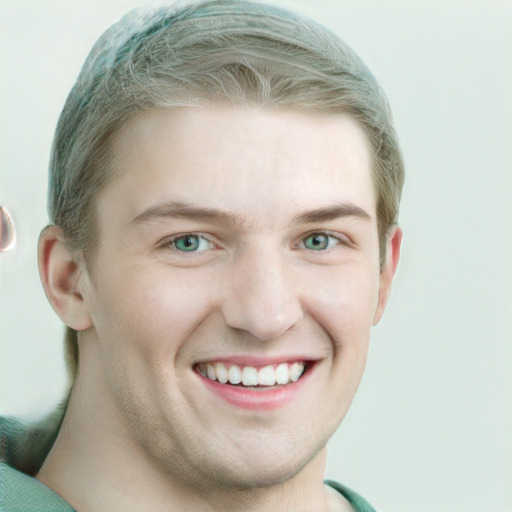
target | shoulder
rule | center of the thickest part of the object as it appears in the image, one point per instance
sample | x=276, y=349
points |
x=22, y=451
x=358, y=503
x=25, y=446
x=22, y=492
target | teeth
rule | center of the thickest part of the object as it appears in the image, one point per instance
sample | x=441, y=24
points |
x=282, y=374
x=210, y=372
x=235, y=375
x=221, y=373
x=269, y=375
x=296, y=370
x=249, y=376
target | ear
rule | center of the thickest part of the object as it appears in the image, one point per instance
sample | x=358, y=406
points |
x=388, y=271
x=63, y=279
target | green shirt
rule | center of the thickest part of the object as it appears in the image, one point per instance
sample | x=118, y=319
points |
x=22, y=493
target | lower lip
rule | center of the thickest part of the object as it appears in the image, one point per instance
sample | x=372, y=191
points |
x=261, y=399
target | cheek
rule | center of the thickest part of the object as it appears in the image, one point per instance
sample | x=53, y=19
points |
x=149, y=311
x=343, y=299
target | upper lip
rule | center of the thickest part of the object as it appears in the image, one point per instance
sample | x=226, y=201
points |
x=258, y=360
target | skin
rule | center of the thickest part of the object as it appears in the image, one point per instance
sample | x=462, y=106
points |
x=142, y=430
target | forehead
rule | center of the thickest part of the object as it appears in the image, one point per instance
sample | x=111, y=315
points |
x=253, y=161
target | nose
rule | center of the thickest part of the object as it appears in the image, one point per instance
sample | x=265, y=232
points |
x=261, y=295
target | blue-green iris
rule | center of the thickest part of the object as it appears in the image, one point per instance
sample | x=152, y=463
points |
x=317, y=242
x=188, y=243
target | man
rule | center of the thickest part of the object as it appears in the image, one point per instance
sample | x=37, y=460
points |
x=224, y=193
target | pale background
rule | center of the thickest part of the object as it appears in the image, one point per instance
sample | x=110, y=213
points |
x=431, y=428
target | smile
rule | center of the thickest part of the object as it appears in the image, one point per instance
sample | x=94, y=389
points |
x=251, y=376
x=256, y=386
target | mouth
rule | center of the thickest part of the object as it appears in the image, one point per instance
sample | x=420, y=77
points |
x=266, y=376
x=255, y=386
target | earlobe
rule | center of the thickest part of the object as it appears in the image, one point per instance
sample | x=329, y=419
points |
x=63, y=279
x=388, y=271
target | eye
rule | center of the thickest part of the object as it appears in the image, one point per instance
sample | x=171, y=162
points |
x=320, y=241
x=191, y=243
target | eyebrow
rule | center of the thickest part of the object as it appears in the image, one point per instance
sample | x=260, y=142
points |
x=183, y=210
x=332, y=212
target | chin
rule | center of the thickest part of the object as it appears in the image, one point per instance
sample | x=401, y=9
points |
x=264, y=469
x=258, y=477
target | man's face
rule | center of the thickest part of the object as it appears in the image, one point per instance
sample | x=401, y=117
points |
x=234, y=243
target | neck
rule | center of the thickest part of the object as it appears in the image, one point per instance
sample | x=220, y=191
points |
x=95, y=465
